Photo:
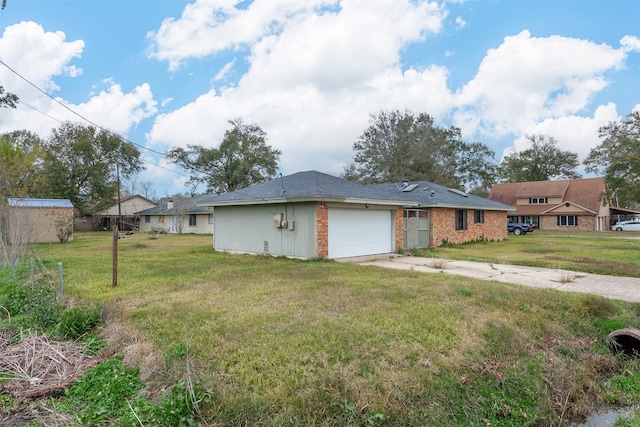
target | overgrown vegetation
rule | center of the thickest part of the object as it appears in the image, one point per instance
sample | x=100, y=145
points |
x=32, y=367
x=288, y=342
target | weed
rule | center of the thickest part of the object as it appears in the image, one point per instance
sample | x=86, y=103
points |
x=179, y=352
x=77, y=321
x=181, y=405
x=351, y=414
x=567, y=278
x=598, y=306
x=101, y=393
x=624, y=389
x=37, y=302
x=440, y=264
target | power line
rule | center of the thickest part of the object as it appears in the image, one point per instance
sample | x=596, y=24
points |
x=87, y=120
x=76, y=113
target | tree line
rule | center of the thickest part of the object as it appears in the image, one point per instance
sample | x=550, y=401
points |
x=87, y=165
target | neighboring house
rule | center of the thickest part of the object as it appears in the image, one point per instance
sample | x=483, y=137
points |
x=315, y=215
x=125, y=210
x=179, y=215
x=574, y=204
x=26, y=221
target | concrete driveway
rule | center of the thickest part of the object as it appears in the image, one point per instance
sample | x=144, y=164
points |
x=614, y=287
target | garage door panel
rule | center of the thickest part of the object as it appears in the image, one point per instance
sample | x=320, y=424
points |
x=359, y=232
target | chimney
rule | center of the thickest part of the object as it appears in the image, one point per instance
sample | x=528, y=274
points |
x=169, y=204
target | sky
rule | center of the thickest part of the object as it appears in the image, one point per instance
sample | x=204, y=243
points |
x=313, y=73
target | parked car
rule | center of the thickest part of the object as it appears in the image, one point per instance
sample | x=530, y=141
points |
x=632, y=225
x=519, y=228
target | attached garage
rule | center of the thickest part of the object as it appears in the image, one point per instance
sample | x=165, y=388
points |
x=357, y=232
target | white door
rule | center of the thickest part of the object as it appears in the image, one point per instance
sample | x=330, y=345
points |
x=359, y=232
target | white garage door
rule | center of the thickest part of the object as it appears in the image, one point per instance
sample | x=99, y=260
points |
x=359, y=232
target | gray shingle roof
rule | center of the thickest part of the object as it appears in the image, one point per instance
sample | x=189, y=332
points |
x=428, y=194
x=313, y=185
x=188, y=205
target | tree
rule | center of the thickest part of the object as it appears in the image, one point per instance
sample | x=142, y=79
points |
x=243, y=159
x=399, y=146
x=543, y=161
x=7, y=100
x=84, y=165
x=618, y=159
x=19, y=169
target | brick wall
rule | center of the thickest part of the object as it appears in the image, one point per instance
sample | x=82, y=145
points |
x=585, y=223
x=399, y=217
x=322, y=230
x=443, y=227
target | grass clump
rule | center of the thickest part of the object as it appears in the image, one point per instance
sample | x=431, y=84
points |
x=77, y=322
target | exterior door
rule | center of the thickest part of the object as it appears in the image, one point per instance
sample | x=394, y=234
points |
x=416, y=228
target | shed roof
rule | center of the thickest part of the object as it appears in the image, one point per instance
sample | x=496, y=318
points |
x=39, y=203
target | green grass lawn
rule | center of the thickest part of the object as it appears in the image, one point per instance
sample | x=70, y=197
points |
x=289, y=342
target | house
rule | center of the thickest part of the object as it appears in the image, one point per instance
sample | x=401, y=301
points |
x=315, y=215
x=26, y=221
x=123, y=214
x=179, y=215
x=571, y=204
x=446, y=215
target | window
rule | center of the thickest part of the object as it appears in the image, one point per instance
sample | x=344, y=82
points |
x=567, y=220
x=192, y=220
x=533, y=220
x=537, y=200
x=147, y=219
x=461, y=219
x=210, y=219
x=478, y=217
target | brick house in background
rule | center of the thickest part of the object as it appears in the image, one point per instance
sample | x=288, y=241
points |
x=570, y=204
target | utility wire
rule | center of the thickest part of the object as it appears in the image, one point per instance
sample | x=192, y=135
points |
x=78, y=114
x=143, y=160
x=87, y=120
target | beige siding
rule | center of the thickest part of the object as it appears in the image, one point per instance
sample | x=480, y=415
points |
x=164, y=223
x=130, y=207
x=37, y=224
x=251, y=229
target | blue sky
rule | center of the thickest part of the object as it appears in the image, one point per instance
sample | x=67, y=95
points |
x=167, y=73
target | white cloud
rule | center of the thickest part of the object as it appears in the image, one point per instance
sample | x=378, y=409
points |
x=314, y=78
x=527, y=79
x=27, y=43
x=576, y=134
x=630, y=44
